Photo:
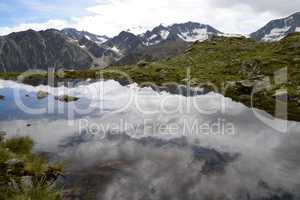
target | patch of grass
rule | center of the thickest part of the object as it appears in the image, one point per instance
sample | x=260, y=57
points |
x=9, y=75
x=19, y=145
x=40, y=191
x=17, y=162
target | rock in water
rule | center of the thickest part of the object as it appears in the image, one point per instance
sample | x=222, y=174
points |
x=281, y=95
x=42, y=94
x=66, y=98
x=27, y=181
x=13, y=162
x=2, y=97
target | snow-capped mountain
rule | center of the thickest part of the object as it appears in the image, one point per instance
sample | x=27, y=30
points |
x=188, y=32
x=78, y=35
x=124, y=43
x=160, y=42
x=191, y=31
x=126, y=48
x=278, y=29
x=94, y=45
x=127, y=44
x=157, y=35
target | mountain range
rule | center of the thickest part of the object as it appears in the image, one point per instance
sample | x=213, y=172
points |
x=73, y=49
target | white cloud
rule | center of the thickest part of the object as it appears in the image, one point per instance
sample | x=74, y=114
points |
x=120, y=15
x=58, y=24
x=282, y=7
x=123, y=14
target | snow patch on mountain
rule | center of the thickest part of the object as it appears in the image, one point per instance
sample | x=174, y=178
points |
x=297, y=29
x=87, y=37
x=78, y=35
x=199, y=34
x=232, y=35
x=152, y=43
x=164, y=34
x=101, y=40
x=153, y=37
x=116, y=50
x=276, y=34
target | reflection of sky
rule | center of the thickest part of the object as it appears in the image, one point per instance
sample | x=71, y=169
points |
x=265, y=153
x=138, y=107
x=52, y=109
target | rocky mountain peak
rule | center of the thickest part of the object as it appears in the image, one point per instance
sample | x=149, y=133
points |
x=188, y=32
x=40, y=50
x=78, y=35
x=125, y=42
x=192, y=31
x=277, y=29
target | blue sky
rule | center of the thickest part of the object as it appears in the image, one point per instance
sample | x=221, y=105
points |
x=14, y=12
x=109, y=17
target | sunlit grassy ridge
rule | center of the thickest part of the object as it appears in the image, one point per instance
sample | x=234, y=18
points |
x=221, y=59
x=23, y=174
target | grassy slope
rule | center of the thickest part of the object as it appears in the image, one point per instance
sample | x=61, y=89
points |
x=26, y=164
x=220, y=61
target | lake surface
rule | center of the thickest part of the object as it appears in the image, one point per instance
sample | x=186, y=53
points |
x=159, y=145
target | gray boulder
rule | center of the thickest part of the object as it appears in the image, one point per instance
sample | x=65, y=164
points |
x=281, y=95
x=66, y=98
x=27, y=181
x=13, y=162
x=42, y=95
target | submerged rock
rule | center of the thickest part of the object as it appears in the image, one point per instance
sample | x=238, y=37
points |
x=2, y=97
x=66, y=98
x=27, y=181
x=13, y=162
x=247, y=83
x=42, y=95
x=281, y=95
x=245, y=87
